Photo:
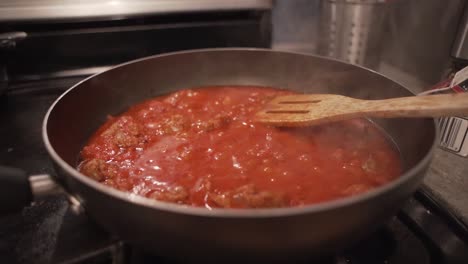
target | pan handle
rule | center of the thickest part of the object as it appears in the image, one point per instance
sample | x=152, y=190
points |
x=43, y=185
x=15, y=190
x=18, y=190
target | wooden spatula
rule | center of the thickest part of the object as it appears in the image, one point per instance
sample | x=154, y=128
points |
x=313, y=109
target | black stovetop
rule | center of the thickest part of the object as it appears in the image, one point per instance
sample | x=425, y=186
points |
x=49, y=231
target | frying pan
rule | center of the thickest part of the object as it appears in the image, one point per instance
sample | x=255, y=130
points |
x=190, y=233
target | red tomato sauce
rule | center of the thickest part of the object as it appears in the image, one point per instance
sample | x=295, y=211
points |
x=201, y=147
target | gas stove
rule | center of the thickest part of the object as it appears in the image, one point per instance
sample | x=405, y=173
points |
x=51, y=231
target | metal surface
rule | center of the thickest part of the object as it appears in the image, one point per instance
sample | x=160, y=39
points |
x=460, y=46
x=352, y=31
x=8, y=40
x=82, y=72
x=43, y=185
x=3, y=79
x=418, y=41
x=72, y=49
x=431, y=222
x=359, y=1
x=53, y=10
x=295, y=25
x=278, y=234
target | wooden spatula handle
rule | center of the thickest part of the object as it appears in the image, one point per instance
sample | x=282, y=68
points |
x=417, y=106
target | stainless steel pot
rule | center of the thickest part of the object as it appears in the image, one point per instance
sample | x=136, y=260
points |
x=226, y=234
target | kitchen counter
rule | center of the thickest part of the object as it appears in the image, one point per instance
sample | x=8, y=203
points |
x=447, y=181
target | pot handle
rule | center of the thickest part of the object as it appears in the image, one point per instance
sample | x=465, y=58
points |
x=18, y=190
x=15, y=190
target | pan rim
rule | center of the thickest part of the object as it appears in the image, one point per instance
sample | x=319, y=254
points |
x=230, y=212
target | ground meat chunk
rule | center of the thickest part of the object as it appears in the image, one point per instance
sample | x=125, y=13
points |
x=219, y=121
x=174, y=194
x=123, y=133
x=220, y=200
x=248, y=196
x=175, y=124
x=98, y=169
